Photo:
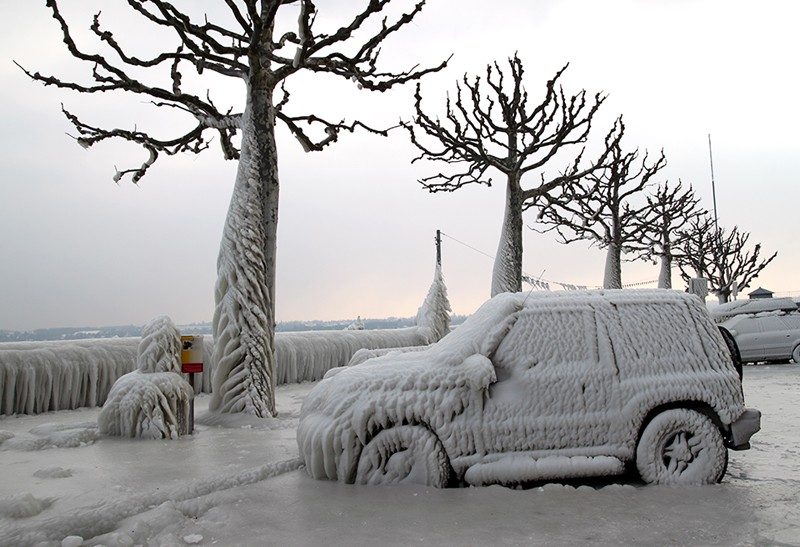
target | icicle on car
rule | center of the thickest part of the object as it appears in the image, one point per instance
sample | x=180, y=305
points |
x=539, y=387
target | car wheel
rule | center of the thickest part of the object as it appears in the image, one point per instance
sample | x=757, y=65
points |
x=796, y=355
x=407, y=453
x=681, y=446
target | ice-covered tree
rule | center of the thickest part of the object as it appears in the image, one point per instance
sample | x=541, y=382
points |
x=670, y=210
x=721, y=256
x=493, y=125
x=434, y=314
x=262, y=44
x=606, y=206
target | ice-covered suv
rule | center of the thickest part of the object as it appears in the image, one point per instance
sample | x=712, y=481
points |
x=537, y=387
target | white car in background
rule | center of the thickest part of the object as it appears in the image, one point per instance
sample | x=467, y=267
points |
x=769, y=336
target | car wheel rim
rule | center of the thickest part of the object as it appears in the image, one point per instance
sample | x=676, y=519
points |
x=680, y=451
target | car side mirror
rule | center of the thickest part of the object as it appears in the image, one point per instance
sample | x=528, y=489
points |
x=478, y=371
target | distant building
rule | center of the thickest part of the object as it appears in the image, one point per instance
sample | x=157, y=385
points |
x=760, y=292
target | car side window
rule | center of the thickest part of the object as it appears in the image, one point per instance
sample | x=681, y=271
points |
x=660, y=334
x=545, y=339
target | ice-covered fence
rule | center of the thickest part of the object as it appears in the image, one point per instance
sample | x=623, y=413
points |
x=303, y=356
x=42, y=376
x=39, y=377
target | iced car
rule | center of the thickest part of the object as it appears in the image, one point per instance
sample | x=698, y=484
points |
x=768, y=336
x=538, y=387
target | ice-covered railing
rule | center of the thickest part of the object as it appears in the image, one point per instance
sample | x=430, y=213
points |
x=40, y=377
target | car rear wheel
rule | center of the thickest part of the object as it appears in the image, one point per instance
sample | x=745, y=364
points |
x=407, y=453
x=681, y=446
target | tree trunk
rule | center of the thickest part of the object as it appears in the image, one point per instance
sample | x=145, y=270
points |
x=244, y=316
x=723, y=297
x=665, y=275
x=507, y=273
x=613, y=273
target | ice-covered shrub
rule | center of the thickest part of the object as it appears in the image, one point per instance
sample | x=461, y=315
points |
x=160, y=348
x=151, y=405
x=151, y=402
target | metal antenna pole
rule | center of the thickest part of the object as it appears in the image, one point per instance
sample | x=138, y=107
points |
x=713, y=186
x=438, y=247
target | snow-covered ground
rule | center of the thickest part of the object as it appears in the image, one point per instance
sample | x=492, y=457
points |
x=237, y=482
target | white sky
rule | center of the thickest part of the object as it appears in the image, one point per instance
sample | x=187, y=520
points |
x=356, y=230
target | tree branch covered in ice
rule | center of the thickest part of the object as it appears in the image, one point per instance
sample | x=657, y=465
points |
x=262, y=43
x=606, y=206
x=721, y=256
x=492, y=124
x=670, y=210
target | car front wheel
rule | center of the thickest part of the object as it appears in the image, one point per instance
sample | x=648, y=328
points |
x=796, y=355
x=681, y=446
x=408, y=453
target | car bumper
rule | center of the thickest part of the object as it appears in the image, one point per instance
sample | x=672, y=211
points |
x=745, y=426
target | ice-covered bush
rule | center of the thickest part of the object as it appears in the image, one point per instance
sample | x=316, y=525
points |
x=153, y=401
x=151, y=405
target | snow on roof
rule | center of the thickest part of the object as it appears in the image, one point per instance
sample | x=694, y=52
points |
x=731, y=309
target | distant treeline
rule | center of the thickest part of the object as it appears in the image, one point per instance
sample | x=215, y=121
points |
x=125, y=331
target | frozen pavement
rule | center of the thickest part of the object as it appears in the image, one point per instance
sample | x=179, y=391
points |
x=234, y=485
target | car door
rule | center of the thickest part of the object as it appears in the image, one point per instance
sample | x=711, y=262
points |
x=777, y=336
x=747, y=333
x=555, y=384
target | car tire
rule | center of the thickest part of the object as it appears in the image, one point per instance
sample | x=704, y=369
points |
x=408, y=453
x=681, y=446
x=796, y=355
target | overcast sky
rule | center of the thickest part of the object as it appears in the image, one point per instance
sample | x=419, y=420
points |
x=356, y=230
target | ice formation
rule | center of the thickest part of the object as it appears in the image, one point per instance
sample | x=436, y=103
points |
x=151, y=402
x=433, y=317
x=160, y=348
x=243, y=359
x=364, y=354
x=50, y=435
x=151, y=405
x=541, y=376
x=40, y=377
x=308, y=355
x=23, y=506
x=723, y=312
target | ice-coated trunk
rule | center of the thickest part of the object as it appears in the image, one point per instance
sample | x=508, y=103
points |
x=244, y=316
x=612, y=278
x=723, y=297
x=507, y=273
x=665, y=275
